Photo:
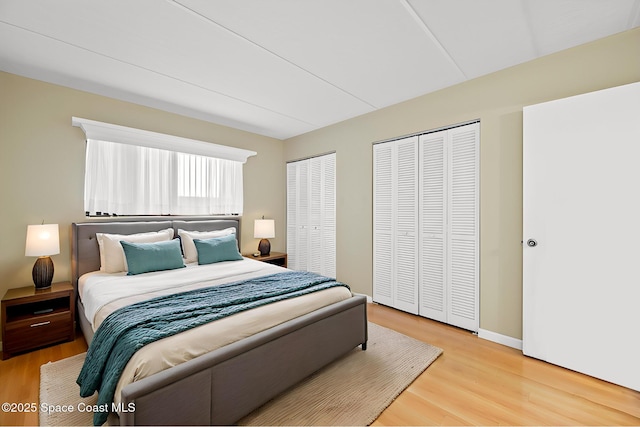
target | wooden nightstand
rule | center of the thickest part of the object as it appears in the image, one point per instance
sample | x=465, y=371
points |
x=277, y=258
x=34, y=318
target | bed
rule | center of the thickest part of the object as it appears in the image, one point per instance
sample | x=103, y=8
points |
x=222, y=385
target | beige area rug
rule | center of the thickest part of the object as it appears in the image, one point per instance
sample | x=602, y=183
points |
x=353, y=390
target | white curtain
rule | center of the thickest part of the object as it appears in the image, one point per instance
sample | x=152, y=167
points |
x=126, y=179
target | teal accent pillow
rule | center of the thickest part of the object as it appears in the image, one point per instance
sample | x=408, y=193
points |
x=157, y=256
x=217, y=249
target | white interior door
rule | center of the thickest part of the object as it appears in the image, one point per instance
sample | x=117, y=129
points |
x=581, y=232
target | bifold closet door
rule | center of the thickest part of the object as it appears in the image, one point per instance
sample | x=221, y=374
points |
x=311, y=215
x=449, y=282
x=425, y=225
x=433, y=224
x=297, y=215
x=322, y=215
x=383, y=195
x=406, y=226
x=395, y=257
x=463, y=227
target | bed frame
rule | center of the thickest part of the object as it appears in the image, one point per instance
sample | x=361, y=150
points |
x=221, y=387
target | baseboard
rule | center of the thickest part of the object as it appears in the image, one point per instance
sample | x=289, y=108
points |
x=500, y=339
x=489, y=335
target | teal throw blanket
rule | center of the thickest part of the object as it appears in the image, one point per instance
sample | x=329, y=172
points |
x=128, y=329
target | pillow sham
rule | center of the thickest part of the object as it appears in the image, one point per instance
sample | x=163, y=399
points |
x=112, y=259
x=189, y=248
x=147, y=257
x=217, y=249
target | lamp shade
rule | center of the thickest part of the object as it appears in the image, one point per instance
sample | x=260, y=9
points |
x=264, y=229
x=42, y=240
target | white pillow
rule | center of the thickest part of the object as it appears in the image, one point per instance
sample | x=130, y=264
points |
x=112, y=259
x=189, y=248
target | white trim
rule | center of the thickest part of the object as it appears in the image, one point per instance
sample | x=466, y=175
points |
x=500, y=339
x=126, y=135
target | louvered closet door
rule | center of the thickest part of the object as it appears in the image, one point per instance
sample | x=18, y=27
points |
x=311, y=215
x=315, y=216
x=449, y=226
x=425, y=220
x=463, y=227
x=406, y=225
x=383, y=262
x=292, y=215
x=395, y=219
x=322, y=228
x=328, y=220
x=301, y=233
x=433, y=200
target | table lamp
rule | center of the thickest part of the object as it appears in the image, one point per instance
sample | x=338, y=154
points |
x=264, y=229
x=42, y=240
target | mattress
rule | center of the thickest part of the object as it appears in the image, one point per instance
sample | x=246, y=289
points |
x=103, y=293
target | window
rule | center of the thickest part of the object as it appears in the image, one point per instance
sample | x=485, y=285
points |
x=134, y=172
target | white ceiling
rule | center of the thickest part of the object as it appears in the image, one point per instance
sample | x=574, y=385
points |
x=285, y=67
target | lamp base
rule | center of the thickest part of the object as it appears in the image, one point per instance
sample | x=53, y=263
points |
x=264, y=247
x=42, y=272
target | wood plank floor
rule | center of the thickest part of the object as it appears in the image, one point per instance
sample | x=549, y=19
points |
x=474, y=382
x=478, y=382
x=20, y=379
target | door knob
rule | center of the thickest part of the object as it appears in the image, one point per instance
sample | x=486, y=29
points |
x=532, y=243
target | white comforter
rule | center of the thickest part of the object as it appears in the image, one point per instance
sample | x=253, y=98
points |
x=103, y=293
x=99, y=290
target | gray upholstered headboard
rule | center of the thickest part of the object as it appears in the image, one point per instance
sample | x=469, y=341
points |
x=85, y=254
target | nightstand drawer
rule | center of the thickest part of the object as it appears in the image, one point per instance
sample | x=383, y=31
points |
x=38, y=331
x=33, y=318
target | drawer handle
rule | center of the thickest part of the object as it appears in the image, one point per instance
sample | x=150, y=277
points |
x=40, y=324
